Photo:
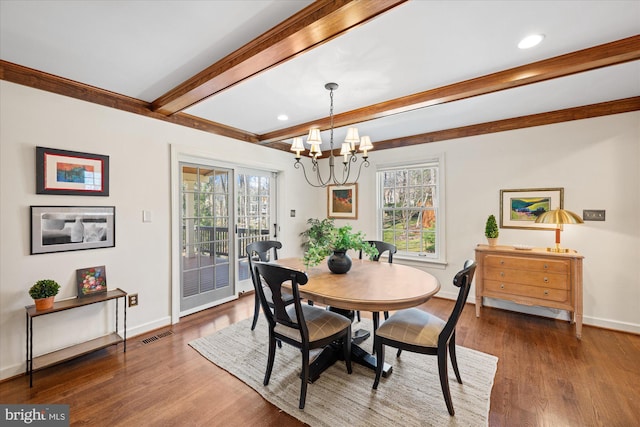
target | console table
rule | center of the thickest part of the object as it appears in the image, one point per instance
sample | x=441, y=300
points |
x=531, y=277
x=59, y=356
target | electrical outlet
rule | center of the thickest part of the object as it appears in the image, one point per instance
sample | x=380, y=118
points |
x=593, y=215
x=133, y=300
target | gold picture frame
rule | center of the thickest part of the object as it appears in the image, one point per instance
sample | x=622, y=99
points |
x=342, y=201
x=519, y=208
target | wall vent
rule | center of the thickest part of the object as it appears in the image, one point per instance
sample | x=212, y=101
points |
x=156, y=337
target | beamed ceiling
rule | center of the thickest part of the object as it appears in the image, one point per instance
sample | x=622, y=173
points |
x=410, y=72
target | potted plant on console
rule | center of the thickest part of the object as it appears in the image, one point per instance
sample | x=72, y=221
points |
x=43, y=293
x=491, y=231
x=323, y=239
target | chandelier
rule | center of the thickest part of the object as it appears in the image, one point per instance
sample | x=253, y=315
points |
x=348, y=152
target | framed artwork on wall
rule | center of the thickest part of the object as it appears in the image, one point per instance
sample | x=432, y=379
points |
x=520, y=208
x=342, y=201
x=71, y=173
x=91, y=281
x=72, y=228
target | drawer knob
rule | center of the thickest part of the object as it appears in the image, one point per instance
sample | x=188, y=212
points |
x=501, y=285
x=546, y=266
x=546, y=280
x=501, y=261
x=502, y=274
x=546, y=292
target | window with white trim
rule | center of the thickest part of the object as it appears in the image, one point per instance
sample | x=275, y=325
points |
x=410, y=214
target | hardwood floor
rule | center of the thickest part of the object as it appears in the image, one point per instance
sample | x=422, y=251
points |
x=545, y=377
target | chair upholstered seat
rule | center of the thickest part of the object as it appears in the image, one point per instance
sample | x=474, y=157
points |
x=320, y=323
x=412, y=326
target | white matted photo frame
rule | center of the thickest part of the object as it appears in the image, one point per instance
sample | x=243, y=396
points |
x=519, y=208
x=71, y=173
x=342, y=201
x=72, y=228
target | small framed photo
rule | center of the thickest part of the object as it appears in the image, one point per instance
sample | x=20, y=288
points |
x=520, y=208
x=91, y=281
x=72, y=228
x=342, y=201
x=71, y=173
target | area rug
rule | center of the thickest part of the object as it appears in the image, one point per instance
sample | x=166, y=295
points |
x=410, y=396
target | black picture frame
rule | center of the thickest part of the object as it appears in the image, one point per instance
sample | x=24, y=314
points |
x=72, y=228
x=71, y=173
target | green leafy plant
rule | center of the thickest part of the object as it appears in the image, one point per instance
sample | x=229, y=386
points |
x=323, y=238
x=491, y=228
x=44, y=288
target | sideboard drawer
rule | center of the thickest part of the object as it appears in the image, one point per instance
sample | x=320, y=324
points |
x=548, y=294
x=525, y=277
x=533, y=264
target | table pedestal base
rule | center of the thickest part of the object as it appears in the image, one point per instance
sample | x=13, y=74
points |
x=332, y=353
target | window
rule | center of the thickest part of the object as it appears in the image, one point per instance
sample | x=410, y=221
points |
x=410, y=214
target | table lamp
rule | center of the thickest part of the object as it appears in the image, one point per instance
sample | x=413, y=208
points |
x=558, y=217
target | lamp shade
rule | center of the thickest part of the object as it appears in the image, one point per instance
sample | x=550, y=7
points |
x=365, y=143
x=352, y=136
x=559, y=216
x=296, y=144
x=314, y=137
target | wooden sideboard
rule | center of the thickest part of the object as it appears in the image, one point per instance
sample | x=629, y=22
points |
x=531, y=277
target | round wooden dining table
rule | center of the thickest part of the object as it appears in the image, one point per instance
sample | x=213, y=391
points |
x=368, y=286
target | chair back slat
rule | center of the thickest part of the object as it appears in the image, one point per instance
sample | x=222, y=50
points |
x=274, y=276
x=382, y=247
x=462, y=280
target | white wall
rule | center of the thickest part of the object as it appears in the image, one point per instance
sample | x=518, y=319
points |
x=596, y=161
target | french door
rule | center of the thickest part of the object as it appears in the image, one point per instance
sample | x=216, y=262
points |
x=206, y=236
x=222, y=209
x=255, y=215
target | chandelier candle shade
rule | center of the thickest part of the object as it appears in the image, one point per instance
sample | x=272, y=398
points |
x=348, y=151
x=559, y=217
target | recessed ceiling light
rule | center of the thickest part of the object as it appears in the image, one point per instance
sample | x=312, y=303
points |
x=530, y=41
x=283, y=117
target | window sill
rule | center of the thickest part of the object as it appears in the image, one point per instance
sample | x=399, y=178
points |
x=419, y=262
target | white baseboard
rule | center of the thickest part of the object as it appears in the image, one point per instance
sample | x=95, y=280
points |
x=20, y=368
x=146, y=327
x=553, y=313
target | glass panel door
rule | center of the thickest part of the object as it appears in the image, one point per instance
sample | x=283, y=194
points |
x=206, y=237
x=255, y=216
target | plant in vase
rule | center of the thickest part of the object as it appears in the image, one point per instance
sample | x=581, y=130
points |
x=491, y=230
x=323, y=239
x=43, y=293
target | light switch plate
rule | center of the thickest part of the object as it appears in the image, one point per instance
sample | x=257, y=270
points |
x=593, y=215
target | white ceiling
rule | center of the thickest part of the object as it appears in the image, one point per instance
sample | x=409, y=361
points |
x=143, y=49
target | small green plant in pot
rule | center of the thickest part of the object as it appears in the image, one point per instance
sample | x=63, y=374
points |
x=43, y=293
x=323, y=239
x=491, y=230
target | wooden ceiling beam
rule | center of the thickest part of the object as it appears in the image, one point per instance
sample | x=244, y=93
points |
x=316, y=24
x=604, y=55
x=48, y=82
x=551, y=117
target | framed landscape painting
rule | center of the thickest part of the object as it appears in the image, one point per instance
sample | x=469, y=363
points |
x=71, y=173
x=520, y=208
x=342, y=201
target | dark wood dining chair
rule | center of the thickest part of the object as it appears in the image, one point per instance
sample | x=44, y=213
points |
x=301, y=325
x=420, y=332
x=381, y=247
x=261, y=251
